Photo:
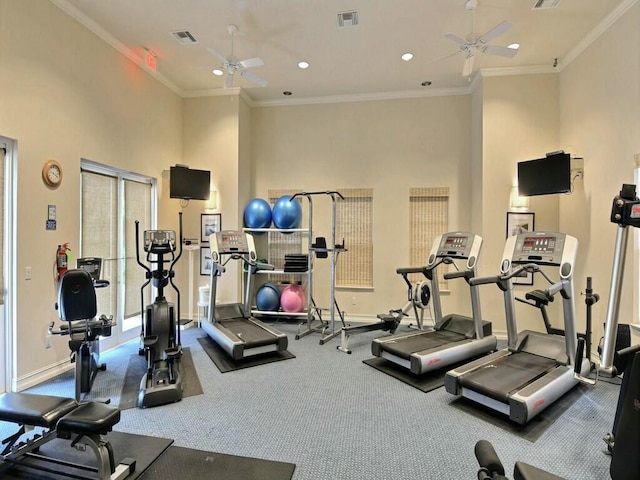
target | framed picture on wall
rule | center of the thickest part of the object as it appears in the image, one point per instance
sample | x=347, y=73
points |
x=206, y=263
x=521, y=222
x=209, y=223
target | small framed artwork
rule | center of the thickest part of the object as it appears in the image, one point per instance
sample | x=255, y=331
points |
x=206, y=262
x=209, y=223
x=521, y=222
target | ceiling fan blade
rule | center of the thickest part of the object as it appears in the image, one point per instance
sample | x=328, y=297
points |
x=254, y=78
x=218, y=55
x=251, y=62
x=500, y=51
x=228, y=81
x=455, y=38
x=495, y=31
x=467, y=68
x=445, y=56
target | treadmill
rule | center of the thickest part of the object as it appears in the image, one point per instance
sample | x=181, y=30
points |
x=536, y=368
x=454, y=338
x=231, y=325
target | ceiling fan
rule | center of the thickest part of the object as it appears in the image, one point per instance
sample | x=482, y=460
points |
x=473, y=43
x=231, y=65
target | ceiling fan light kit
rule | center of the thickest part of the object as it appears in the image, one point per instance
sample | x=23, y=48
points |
x=231, y=65
x=473, y=43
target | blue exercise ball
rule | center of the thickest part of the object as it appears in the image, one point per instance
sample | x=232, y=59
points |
x=268, y=298
x=257, y=214
x=286, y=213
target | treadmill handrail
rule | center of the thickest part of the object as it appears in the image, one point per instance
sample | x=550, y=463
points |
x=466, y=274
x=502, y=278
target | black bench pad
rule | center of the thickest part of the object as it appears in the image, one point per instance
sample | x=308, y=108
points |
x=36, y=410
x=92, y=417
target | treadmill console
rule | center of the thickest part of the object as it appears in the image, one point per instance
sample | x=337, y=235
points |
x=231, y=242
x=541, y=248
x=460, y=245
x=159, y=241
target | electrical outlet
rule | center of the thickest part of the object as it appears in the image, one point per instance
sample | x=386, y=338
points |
x=353, y=300
x=47, y=341
x=27, y=273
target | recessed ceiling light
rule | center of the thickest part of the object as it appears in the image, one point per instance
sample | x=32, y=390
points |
x=217, y=71
x=287, y=93
x=303, y=65
x=407, y=56
x=514, y=46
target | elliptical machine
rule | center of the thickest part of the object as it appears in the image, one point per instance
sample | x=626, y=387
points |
x=160, y=334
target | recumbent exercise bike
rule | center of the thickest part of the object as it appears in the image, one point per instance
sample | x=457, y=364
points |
x=76, y=292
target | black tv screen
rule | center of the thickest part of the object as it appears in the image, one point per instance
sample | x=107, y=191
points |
x=189, y=184
x=545, y=176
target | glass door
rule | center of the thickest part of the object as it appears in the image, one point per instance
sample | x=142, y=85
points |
x=112, y=201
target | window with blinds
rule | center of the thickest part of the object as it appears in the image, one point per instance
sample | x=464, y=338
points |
x=112, y=201
x=354, y=224
x=428, y=217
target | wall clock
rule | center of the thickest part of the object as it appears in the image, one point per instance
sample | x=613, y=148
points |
x=52, y=173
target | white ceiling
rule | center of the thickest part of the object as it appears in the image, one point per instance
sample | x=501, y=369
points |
x=345, y=62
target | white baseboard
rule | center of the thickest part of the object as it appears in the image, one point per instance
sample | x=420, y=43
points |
x=34, y=378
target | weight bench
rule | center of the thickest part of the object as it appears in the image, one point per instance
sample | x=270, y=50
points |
x=60, y=417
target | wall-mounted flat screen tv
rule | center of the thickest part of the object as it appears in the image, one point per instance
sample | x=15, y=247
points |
x=545, y=176
x=189, y=184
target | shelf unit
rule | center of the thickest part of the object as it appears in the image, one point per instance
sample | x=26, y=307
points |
x=305, y=277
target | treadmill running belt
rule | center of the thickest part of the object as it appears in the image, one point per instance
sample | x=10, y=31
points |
x=500, y=378
x=405, y=346
x=248, y=331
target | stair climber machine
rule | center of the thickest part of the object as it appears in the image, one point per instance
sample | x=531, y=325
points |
x=231, y=325
x=536, y=368
x=455, y=337
x=160, y=334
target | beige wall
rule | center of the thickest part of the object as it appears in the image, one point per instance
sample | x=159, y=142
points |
x=67, y=95
x=389, y=146
x=600, y=121
x=520, y=121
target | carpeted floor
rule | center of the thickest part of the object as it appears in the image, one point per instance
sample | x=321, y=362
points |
x=336, y=418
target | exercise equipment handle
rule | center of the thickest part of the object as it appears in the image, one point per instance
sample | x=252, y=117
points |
x=407, y=270
x=488, y=460
x=484, y=280
x=459, y=274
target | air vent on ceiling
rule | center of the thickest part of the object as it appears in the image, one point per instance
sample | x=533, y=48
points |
x=184, y=37
x=542, y=4
x=348, y=19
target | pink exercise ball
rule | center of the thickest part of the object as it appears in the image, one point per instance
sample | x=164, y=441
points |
x=292, y=299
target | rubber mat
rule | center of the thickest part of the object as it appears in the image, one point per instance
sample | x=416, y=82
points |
x=137, y=367
x=183, y=463
x=536, y=426
x=143, y=449
x=425, y=382
x=227, y=364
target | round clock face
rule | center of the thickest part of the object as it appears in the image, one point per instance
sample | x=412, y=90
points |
x=52, y=173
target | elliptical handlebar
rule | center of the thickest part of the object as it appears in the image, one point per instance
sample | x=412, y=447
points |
x=138, y=247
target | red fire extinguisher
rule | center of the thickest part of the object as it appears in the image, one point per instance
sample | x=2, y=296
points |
x=62, y=259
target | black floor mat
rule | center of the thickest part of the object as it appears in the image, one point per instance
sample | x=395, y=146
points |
x=143, y=449
x=226, y=364
x=137, y=367
x=182, y=463
x=425, y=382
x=536, y=426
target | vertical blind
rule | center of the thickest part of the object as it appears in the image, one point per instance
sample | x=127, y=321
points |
x=104, y=207
x=99, y=231
x=429, y=217
x=354, y=224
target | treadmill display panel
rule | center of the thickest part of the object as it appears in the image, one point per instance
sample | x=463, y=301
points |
x=454, y=246
x=537, y=245
x=231, y=242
